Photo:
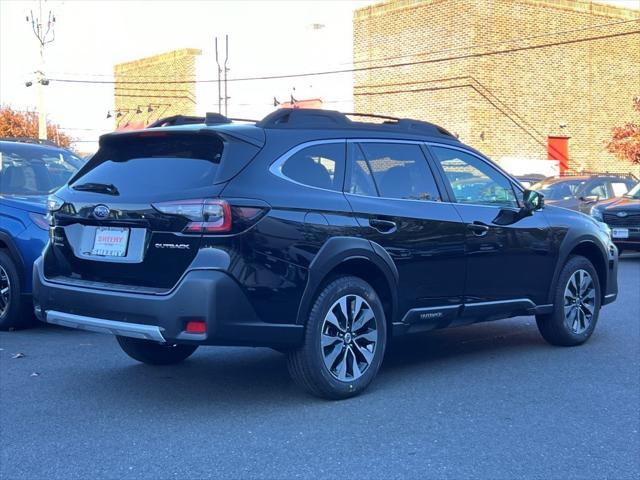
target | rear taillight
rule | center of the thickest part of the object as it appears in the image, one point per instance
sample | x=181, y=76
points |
x=204, y=215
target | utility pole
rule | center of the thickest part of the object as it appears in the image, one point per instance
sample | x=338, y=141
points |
x=219, y=84
x=45, y=33
x=226, y=70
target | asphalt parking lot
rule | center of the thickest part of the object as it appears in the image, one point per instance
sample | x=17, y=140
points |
x=486, y=401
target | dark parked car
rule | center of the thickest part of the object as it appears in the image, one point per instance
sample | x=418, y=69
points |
x=622, y=214
x=581, y=192
x=313, y=234
x=28, y=173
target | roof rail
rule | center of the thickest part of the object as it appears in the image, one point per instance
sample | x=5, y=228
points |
x=602, y=174
x=317, y=118
x=209, y=119
x=35, y=141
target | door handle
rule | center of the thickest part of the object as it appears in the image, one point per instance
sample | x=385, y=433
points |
x=383, y=226
x=479, y=229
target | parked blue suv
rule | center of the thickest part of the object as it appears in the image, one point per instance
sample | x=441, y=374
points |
x=28, y=173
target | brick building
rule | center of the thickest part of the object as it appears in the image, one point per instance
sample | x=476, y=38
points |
x=504, y=75
x=138, y=104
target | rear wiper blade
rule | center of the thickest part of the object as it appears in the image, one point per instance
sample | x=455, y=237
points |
x=108, y=188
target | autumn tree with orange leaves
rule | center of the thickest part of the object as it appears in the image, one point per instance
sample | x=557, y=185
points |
x=625, y=143
x=14, y=123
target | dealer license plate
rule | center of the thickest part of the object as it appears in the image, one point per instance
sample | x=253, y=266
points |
x=110, y=242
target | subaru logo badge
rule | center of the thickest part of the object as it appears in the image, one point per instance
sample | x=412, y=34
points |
x=622, y=214
x=101, y=211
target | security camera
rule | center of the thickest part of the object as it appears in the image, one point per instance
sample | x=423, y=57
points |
x=563, y=125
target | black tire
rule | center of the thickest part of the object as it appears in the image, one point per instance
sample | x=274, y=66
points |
x=554, y=327
x=12, y=314
x=154, y=353
x=306, y=364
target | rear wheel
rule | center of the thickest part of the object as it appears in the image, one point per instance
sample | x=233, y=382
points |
x=154, y=353
x=576, y=305
x=10, y=305
x=345, y=340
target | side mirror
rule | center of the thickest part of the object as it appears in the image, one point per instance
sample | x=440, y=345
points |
x=532, y=200
x=590, y=198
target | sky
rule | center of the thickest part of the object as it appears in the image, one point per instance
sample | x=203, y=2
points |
x=266, y=38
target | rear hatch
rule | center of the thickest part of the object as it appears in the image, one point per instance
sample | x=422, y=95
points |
x=132, y=218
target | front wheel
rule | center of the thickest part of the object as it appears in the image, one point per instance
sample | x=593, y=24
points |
x=576, y=305
x=12, y=315
x=345, y=340
x=154, y=353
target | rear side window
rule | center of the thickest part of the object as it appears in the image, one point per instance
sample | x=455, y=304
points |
x=320, y=166
x=619, y=188
x=167, y=163
x=360, y=176
x=400, y=171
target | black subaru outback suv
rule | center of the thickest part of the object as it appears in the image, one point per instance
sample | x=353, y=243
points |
x=313, y=234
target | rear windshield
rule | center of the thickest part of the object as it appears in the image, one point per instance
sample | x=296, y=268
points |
x=33, y=170
x=155, y=163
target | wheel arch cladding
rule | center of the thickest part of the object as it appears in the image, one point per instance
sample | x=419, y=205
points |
x=6, y=243
x=590, y=250
x=352, y=256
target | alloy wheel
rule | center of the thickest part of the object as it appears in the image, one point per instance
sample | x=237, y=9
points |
x=5, y=291
x=349, y=338
x=579, y=301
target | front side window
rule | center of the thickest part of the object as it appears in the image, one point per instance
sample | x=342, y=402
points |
x=598, y=189
x=473, y=180
x=319, y=166
x=399, y=170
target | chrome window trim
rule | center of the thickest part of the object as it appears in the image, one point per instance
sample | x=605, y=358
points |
x=398, y=199
x=276, y=166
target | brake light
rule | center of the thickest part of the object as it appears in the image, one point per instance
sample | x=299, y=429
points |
x=196, y=327
x=204, y=215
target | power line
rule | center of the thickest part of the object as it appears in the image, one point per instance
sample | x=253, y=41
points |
x=396, y=57
x=360, y=69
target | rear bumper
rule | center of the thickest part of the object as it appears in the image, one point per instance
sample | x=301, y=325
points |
x=211, y=296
